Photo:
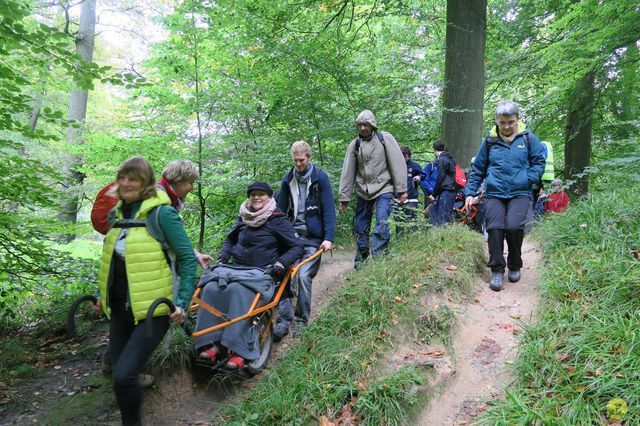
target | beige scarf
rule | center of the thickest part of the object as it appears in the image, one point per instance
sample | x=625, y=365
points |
x=256, y=219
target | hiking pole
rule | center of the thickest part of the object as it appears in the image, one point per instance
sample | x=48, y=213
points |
x=163, y=300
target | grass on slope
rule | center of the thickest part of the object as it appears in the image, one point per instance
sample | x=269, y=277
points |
x=584, y=351
x=335, y=364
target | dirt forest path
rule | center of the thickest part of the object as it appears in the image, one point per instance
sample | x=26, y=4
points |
x=185, y=399
x=484, y=346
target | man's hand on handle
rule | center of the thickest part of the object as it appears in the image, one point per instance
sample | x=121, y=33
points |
x=178, y=315
x=326, y=245
x=468, y=202
x=402, y=197
x=343, y=206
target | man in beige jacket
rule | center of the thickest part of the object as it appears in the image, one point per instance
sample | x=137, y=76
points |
x=375, y=165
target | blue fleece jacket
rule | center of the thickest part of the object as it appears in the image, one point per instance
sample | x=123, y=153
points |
x=320, y=209
x=430, y=172
x=510, y=169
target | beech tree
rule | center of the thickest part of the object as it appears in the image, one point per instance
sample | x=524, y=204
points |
x=464, y=78
x=73, y=177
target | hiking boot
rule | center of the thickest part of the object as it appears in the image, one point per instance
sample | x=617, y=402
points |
x=146, y=380
x=298, y=328
x=280, y=331
x=496, y=281
x=514, y=276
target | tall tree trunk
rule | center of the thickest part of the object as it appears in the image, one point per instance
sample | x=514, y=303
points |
x=629, y=82
x=35, y=110
x=577, y=145
x=201, y=199
x=464, y=78
x=73, y=178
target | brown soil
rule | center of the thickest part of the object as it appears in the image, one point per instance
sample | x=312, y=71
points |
x=468, y=373
x=191, y=397
x=476, y=367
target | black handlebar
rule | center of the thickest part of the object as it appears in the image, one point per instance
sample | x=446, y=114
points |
x=71, y=319
x=172, y=307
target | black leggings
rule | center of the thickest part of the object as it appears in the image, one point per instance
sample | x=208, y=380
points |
x=130, y=350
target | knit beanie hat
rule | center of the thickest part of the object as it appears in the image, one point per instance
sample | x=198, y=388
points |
x=260, y=186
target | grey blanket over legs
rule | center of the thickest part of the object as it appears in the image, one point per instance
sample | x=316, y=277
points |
x=231, y=290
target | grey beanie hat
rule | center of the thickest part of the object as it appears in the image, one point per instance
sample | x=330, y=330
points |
x=367, y=116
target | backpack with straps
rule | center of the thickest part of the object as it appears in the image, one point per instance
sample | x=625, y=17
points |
x=102, y=205
x=152, y=224
x=492, y=141
x=359, y=142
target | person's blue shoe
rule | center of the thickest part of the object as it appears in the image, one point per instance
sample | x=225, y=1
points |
x=514, y=276
x=280, y=331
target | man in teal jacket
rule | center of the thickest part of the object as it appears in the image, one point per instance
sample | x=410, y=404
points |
x=511, y=159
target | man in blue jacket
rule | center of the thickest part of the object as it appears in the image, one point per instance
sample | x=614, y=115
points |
x=428, y=181
x=511, y=159
x=307, y=198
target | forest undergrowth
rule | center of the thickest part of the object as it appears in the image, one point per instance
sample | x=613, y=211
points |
x=580, y=364
x=336, y=369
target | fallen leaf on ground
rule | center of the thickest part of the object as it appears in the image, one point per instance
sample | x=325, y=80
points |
x=452, y=267
x=324, y=421
x=398, y=299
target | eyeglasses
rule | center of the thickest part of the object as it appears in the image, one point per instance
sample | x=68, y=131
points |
x=509, y=123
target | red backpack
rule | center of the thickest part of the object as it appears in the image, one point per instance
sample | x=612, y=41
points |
x=461, y=178
x=102, y=205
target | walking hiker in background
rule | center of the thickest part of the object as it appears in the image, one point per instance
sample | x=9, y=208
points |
x=406, y=212
x=374, y=164
x=445, y=189
x=306, y=198
x=134, y=272
x=511, y=159
x=428, y=182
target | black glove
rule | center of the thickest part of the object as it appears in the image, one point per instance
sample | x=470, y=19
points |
x=278, y=270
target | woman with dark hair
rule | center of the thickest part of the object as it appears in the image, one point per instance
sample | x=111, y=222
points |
x=262, y=243
x=134, y=272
